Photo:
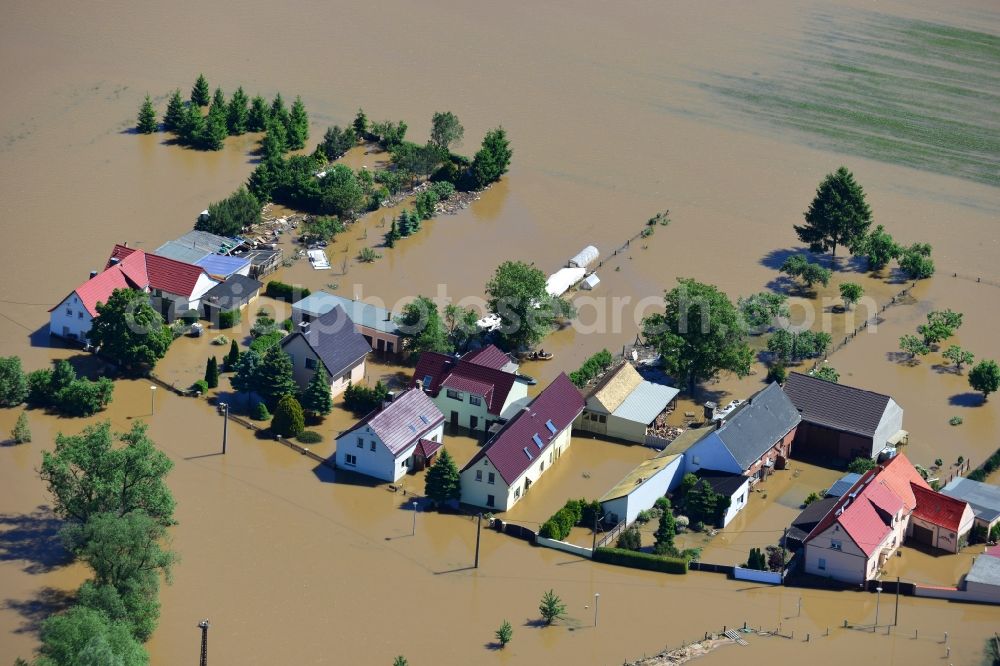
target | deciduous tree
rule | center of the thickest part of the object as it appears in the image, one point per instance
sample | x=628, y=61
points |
x=985, y=377
x=760, y=310
x=850, y=292
x=89, y=474
x=827, y=373
x=493, y=159
x=288, y=419
x=838, y=215
x=13, y=382
x=941, y=325
x=361, y=124
x=860, y=465
x=878, y=247
x=231, y=215
x=83, y=635
x=916, y=261
x=446, y=130
x=422, y=327
x=798, y=265
x=129, y=331
x=699, y=333
x=958, y=356
x=516, y=293
x=913, y=346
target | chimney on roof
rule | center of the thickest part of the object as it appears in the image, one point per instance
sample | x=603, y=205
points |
x=388, y=399
x=125, y=244
x=93, y=274
x=303, y=326
x=718, y=424
x=114, y=260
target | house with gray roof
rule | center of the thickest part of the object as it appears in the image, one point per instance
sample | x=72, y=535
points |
x=841, y=423
x=376, y=324
x=623, y=405
x=751, y=440
x=384, y=444
x=328, y=344
x=984, y=498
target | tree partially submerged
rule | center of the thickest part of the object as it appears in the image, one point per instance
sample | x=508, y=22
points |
x=551, y=607
x=516, y=293
x=129, y=331
x=985, y=378
x=442, y=482
x=837, y=216
x=699, y=334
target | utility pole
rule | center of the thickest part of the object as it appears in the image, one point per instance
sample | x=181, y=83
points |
x=479, y=531
x=203, y=625
x=895, y=618
x=413, y=531
x=597, y=599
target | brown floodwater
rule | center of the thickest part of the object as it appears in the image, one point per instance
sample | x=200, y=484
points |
x=610, y=121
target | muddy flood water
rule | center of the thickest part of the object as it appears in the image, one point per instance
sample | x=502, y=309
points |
x=612, y=117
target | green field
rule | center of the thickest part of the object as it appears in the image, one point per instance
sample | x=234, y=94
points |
x=908, y=92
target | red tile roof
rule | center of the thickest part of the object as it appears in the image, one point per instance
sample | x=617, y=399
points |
x=99, y=288
x=865, y=526
x=406, y=419
x=560, y=402
x=939, y=509
x=489, y=356
x=168, y=275
x=441, y=368
x=427, y=448
x=898, y=474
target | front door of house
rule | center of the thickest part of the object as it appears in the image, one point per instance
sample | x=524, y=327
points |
x=473, y=422
x=454, y=418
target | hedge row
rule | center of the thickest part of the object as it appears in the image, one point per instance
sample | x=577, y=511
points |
x=988, y=467
x=285, y=292
x=229, y=318
x=636, y=560
x=574, y=512
x=592, y=367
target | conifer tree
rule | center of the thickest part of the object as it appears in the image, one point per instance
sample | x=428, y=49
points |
x=493, y=159
x=233, y=357
x=214, y=131
x=665, y=533
x=288, y=419
x=146, y=123
x=192, y=125
x=212, y=372
x=442, y=482
x=258, y=115
x=173, y=119
x=274, y=377
x=392, y=236
x=237, y=114
x=298, y=127
x=316, y=400
x=361, y=124
x=21, y=434
x=278, y=110
x=200, y=95
x=838, y=215
x=219, y=98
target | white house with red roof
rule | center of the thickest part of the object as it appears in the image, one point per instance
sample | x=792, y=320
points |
x=868, y=523
x=472, y=391
x=176, y=285
x=384, y=444
x=531, y=442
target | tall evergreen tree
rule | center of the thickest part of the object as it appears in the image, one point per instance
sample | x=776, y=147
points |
x=21, y=434
x=443, y=482
x=316, y=400
x=278, y=110
x=275, y=142
x=173, y=119
x=233, y=357
x=219, y=98
x=665, y=533
x=200, y=94
x=214, y=131
x=838, y=215
x=274, y=376
x=298, y=127
x=192, y=125
x=212, y=372
x=237, y=114
x=146, y=123
x=393, y=235
x=258, y=115
x=247, y=370
x=361, y=124
x=288, y=420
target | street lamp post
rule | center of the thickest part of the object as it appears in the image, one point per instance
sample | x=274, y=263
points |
x=152, y=392
x=225, y=424
x=597, y=599
x=878, y=598
x=203, y=625
x=413, y=531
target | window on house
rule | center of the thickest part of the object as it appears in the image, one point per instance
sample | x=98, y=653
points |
x=291, y=359
x=517, y=492
x=542, y=469
x=479, y=475
x=402, y=464
x=475, y=400
x=490, y=501
x=310, y=363
x=453, y=394
x=361, y=443
x=602, y=418
x=491, y=478
x=79, y=314
x=350, y=459
x=836, y=545
x=822, y=564
x=69, y=312
x=550, y=456
x=695, y=460
x=346, y=378
x=372, y=445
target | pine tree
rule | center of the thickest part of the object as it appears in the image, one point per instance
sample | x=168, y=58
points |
x=504, y=634
x=21, y=434
x=174, y=117
x=275, y=142
x=442, y=482
x=192, y=125
x=278, y=110
x=237, y=114
x=665, y=533
x=212, y=372
x=258, y=115
x=274, y=377
x=493, y=159
x=361, y=124
x=288, y=419
x=200, y=92
x=298, y=127
x=838, y=215
x=404, y=224
x=398, y=661
x=316, y=400
x=214, y=131
x=390, y=238
x=219, y=98
x=146, y=123
x=233, y=357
